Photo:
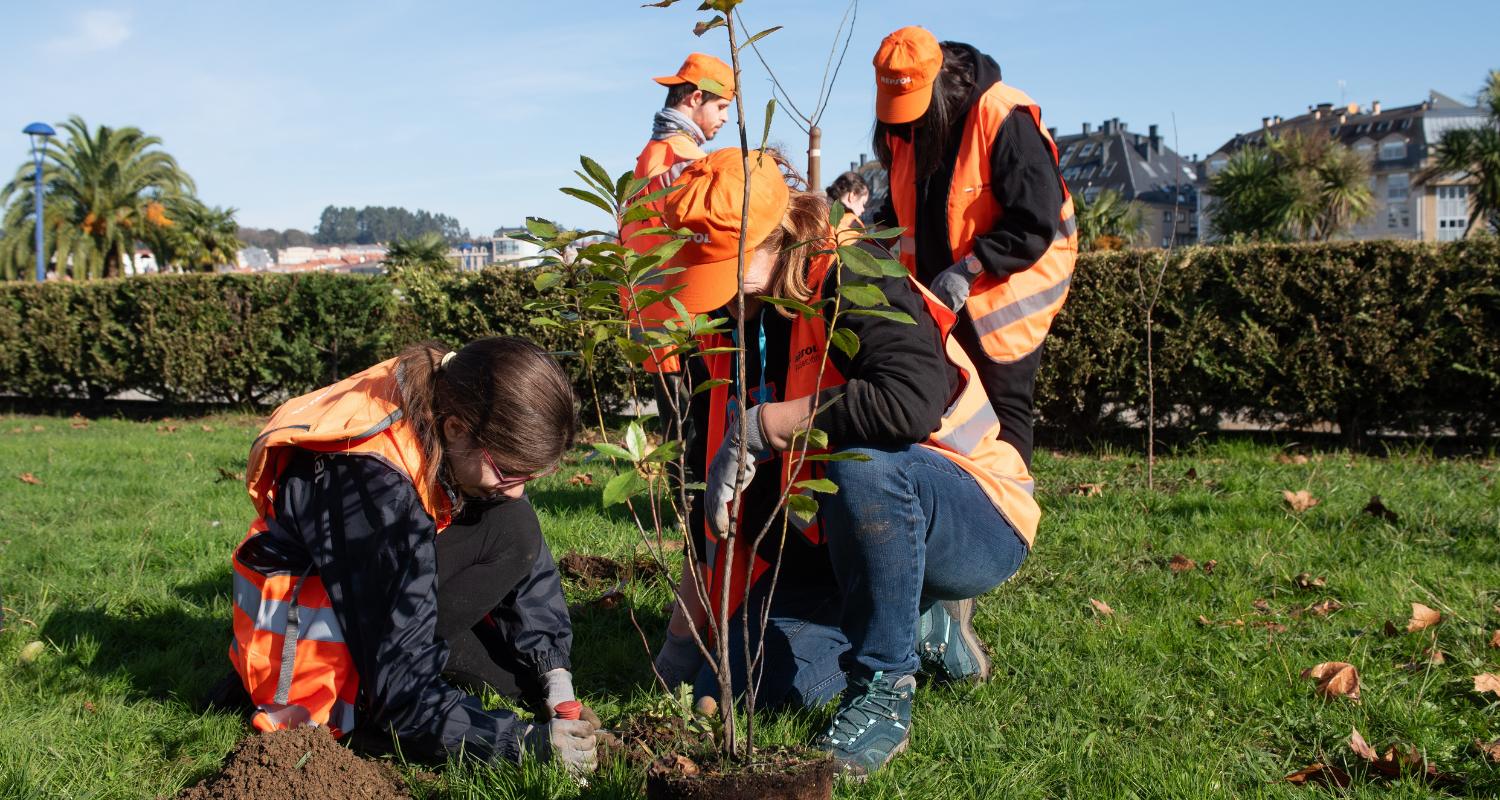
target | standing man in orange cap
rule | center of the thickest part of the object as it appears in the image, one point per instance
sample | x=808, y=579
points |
x=989, y=229
x=697, y=106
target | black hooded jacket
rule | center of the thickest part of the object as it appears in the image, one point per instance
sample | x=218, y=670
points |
x=1024, y=180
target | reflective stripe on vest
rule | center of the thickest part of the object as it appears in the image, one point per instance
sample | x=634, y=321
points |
x=288, y=645
x=1013, y=314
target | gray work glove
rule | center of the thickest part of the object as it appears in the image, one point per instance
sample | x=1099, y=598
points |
x=678, y=661
x=952, y=285
x=570, y=741
x=557, y=687
x=723, y=470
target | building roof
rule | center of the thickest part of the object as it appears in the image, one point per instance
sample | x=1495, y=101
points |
x=1368, y=127
x=1139, y=166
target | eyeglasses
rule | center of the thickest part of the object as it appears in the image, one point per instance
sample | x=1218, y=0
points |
x=509, y=481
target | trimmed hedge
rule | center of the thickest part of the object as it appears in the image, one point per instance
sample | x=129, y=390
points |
x=1371, y=335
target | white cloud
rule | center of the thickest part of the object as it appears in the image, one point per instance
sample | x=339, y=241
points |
x=93, y=32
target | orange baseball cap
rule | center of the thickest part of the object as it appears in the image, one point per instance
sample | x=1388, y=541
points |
x=906, y=64
x=697, y=68
x=709, y=205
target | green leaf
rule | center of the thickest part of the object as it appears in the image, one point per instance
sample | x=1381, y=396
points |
x=666, y=451
x=787, y=302
x=757, y=37
x=595, y=171
x=540, y=228
x=710, y=384
x=822, y=485
x=845, y=340
x=590, y=198
x=883, y=233
x=612, y=450
x=622, y=487
x=863, y=294
x=547, y=280
x=545, y=322
x=804, y=506
x=635, y=441
x=859, y=262
x=894, y=316
x=836, y=213
x=711, y=85
x=698, y=30
x=844, y=455
x=770, y=112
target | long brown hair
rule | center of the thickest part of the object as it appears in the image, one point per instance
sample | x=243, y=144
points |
x=803, y=231
x=951, y=91
x=514, y=397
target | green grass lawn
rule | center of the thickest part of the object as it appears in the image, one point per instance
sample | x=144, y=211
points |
x=117, y=562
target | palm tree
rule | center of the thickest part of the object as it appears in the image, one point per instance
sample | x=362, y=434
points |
x=106, y=190
x=1474, y=154
x=1292, y=187
x=428, y=251
x=196, y=237
x=1108, y=223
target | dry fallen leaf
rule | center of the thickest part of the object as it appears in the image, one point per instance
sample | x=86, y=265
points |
x=79, y=423
x=37, y=428
x=27, y=477
x=1208, y=566
x=1271, y=626
x=1492, y=750
x=1261, y=605
x=1335, y=679
x=1321, y=774
x=1325, y=608
x=1088, y=489
x=1375, y=508
x=88, y=705
x=582, y=479
x=1305, y=581
x=1283, y=458
x=1181, y=563
x=1422, y=617
x=1495, y=640
x=1101, y=608
x=167, y=428
x=207, y=428
x=1360, y=747
x=1300, y=500
x=1487, y=682
x=227, y=475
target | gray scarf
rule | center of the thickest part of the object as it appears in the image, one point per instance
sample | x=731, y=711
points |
x=670, y=121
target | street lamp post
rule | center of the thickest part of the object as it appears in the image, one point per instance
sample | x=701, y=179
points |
x=39, y=133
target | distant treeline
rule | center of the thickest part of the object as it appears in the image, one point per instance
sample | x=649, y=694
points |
x=371, y=224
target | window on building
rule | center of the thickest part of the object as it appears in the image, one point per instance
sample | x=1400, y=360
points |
x=1088, y=150
x=1452, y=212
x=507, y=247
x=1397, y=186
x=1405, y=123
x=1398, y=215
x=1089, y=172
x=1166, y=216
x=1363, y=126
x=1383, y=125
x=1091, y=194
x=1070, y=173
x=1393, y=150
x=1364, y=147
x=1068, y=152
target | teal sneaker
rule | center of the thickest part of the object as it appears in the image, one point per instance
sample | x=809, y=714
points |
x=871, y=726
x=949, y=648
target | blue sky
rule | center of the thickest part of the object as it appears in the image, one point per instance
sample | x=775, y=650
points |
x=480, y=109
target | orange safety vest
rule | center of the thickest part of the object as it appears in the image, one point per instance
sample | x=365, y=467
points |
x=288, y=646
x=1010, y=314
x=659, y=164
x=968, y=434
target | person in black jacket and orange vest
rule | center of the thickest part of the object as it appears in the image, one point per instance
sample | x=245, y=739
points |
x=989, y=225
x=395, y=558
x=932, y=508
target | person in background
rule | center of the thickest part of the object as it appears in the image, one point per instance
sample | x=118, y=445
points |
x=696, y=107
x=989, y=225
x=931, y=507
x=394, y=558
x=851, y=190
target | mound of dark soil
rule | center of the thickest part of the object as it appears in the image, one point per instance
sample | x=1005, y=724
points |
x=593, y=572
x=295, y=764
x=772, y=775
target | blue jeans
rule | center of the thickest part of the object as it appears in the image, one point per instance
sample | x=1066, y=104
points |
x=906, y=529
